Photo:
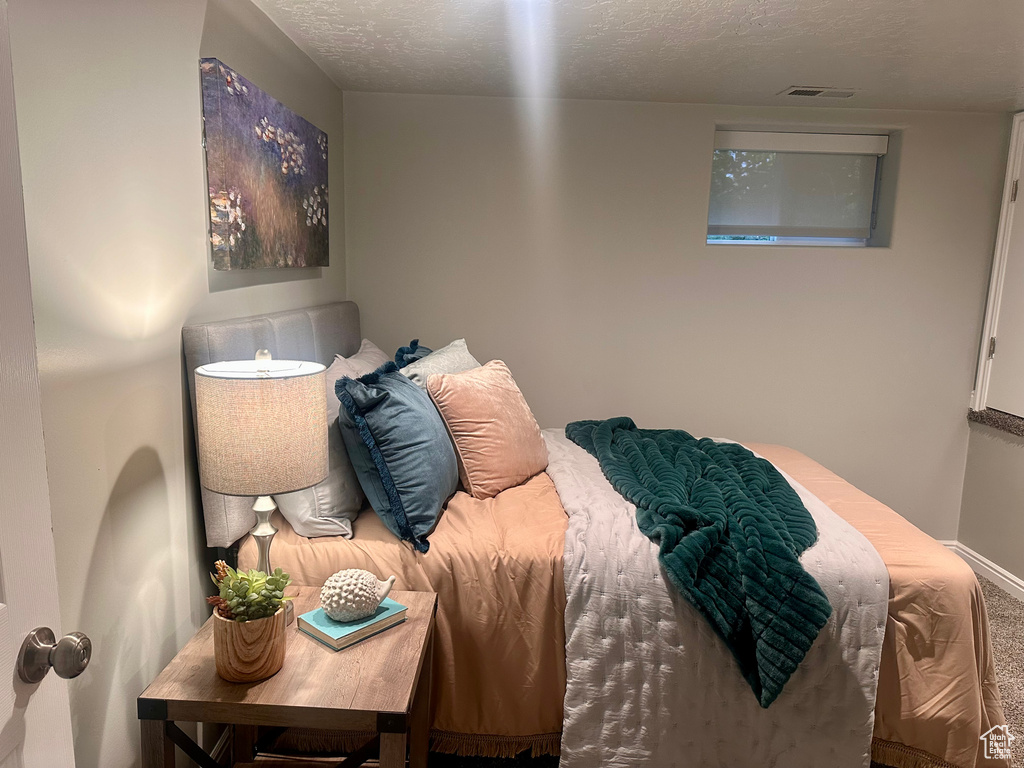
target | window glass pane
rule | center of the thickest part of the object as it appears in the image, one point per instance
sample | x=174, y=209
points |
x=791, y=194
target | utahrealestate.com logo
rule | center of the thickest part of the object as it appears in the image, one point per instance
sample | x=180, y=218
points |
x=997, y=742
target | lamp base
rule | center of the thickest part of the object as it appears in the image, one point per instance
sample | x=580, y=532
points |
x=263, y=531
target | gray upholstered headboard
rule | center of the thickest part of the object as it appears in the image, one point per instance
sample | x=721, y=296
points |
x=316, y=334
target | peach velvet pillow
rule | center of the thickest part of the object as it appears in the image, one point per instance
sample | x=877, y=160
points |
x=497, y=440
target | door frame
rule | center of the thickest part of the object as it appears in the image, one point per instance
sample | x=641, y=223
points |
x=37, y=732
x=1014, y=169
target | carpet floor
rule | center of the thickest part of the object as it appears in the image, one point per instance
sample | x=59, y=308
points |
x=1006, y=619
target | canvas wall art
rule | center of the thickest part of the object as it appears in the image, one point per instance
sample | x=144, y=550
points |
x=267, y=173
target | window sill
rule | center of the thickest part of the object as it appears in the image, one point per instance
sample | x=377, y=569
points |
x=790, y=244
x=1004, y=422
x=866, y=246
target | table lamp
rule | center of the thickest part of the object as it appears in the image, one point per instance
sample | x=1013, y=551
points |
x=262, y=430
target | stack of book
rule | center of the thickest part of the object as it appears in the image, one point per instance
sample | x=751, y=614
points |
x=342, y=634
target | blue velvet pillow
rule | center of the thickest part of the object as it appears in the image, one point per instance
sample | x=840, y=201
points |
x=410, y=354
x=400, y=449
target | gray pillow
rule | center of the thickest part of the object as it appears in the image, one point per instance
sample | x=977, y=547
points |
x=454, y=358
x=330, y=506
x=400, y=448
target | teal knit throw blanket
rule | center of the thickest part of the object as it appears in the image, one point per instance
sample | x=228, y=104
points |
x=730, y=531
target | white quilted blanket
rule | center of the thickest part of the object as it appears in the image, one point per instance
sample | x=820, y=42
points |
x=650, y=684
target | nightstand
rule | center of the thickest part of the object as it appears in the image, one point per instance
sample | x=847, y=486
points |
x=381, y=684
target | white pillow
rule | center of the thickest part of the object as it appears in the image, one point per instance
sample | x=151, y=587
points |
x=454, y=358
x=330, y=506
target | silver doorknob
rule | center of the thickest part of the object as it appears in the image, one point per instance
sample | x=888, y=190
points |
x=41, y=650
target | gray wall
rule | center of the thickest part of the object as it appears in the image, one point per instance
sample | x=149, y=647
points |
x=109, y=113
x=567, y=238
x=992, y=515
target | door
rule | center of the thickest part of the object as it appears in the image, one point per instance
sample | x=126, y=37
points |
x=35, y=722
x=1001, y=365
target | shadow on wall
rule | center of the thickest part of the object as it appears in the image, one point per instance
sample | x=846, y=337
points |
x=202, y=558
x=129, y=617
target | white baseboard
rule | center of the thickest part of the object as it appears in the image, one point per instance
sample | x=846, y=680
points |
x=994, y=573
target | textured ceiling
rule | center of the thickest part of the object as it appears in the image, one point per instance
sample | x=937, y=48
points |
x=916, y=54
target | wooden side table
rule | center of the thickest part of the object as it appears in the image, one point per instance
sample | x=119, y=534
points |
x=381, y=684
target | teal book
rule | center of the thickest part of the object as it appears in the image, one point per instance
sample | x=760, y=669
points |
x=342, y=634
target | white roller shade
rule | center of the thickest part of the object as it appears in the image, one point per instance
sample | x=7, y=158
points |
x=827, y=143
x=791, y=194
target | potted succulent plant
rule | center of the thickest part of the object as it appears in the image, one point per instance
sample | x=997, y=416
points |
x=248, y=622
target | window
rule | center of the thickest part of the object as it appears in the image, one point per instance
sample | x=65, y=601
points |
x=794, y=188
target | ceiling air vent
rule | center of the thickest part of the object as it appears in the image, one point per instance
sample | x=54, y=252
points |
x=821, y=92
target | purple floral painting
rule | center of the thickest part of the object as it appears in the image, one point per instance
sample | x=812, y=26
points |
x=267, y=172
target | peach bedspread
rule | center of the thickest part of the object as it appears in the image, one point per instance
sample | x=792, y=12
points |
x=499, y=644
x=937, y=691
x=499, y=673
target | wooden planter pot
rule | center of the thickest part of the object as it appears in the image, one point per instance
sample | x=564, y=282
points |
x=247, y=651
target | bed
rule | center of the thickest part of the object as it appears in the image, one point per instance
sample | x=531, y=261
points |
x=547, y=641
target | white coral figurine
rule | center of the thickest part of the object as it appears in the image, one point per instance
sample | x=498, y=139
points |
x=353, y=594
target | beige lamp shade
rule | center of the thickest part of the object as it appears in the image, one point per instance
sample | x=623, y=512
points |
x=261, y=425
